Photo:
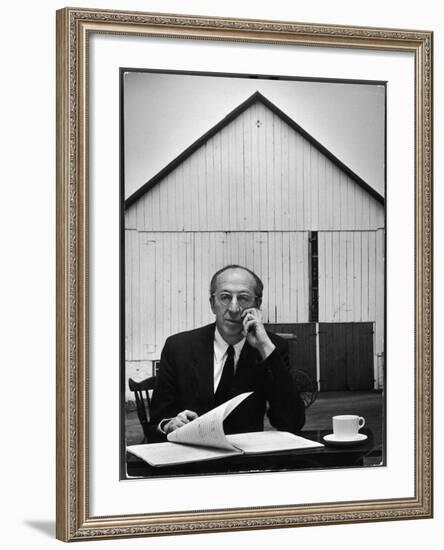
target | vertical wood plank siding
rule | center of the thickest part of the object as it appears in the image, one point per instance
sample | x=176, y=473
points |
x=168, y=274
x=251, y=194
x=256, y=173
x=351, y=279
x=168, y=291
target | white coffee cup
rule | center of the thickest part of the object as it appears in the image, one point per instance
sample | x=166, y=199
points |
x=346, y=426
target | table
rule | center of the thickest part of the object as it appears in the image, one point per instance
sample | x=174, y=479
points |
x=329, y=456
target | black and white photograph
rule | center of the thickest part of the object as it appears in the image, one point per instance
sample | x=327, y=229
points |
x=253, y=279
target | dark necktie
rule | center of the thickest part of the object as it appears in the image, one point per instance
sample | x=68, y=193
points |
x=226, y=380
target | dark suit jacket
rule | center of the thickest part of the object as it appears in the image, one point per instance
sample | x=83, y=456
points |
x=186, y=381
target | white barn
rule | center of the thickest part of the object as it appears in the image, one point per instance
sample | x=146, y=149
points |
x=258, y=190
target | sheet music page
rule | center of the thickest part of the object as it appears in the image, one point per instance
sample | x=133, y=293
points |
x=270, y=441
x=207, y=430
x=168, y=454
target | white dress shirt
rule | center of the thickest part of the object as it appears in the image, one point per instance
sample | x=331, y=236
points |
x=220, y=355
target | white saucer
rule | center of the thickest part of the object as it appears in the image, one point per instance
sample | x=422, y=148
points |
x=331, y=438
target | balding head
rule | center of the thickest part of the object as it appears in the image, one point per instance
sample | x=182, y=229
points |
x=258, y=287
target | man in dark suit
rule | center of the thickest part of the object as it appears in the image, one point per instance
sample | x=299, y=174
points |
x=202, y=368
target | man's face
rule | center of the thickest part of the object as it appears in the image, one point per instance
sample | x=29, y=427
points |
x=240, y=286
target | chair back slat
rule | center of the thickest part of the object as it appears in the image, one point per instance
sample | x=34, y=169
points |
x=143, y=401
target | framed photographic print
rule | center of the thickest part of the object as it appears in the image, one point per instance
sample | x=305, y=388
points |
x=244, y=274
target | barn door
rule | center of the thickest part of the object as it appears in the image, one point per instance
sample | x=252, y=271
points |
x=301, y=338
x=346, y=356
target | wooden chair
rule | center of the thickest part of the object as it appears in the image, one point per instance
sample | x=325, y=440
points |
x=143, y=401
x=307, y=386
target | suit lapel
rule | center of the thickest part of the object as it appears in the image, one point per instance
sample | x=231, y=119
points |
x=203, y=368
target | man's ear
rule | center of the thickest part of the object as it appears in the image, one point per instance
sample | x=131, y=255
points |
x=258, y=303
x=212, y=303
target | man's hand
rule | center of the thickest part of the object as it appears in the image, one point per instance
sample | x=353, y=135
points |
x=180, y=420
x=255, y=332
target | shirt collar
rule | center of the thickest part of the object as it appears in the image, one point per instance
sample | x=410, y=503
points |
x=220, y=346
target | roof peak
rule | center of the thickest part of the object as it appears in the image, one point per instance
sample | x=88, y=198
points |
x=253, y=98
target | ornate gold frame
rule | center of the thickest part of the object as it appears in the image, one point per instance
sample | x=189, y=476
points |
x=73, y=519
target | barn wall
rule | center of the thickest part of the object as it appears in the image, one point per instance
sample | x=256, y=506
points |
x=351, y=276
x=257, y=173
x=168, y=274
x=250, y=195
x=351, y=281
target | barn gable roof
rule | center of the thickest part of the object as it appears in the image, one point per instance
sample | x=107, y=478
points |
x=257, y=96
